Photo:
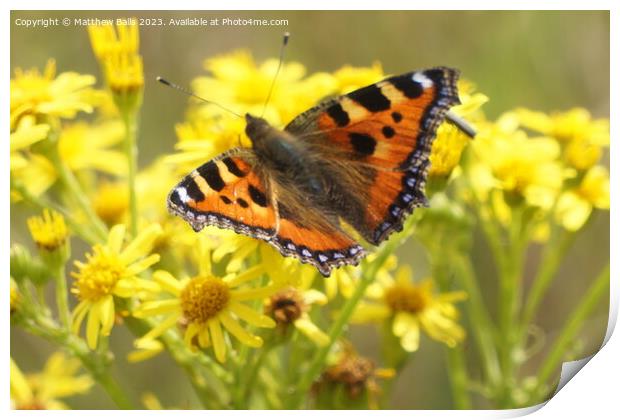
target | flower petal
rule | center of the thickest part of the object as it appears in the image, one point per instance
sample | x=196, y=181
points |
x=250, y=316
x=217, y=336
x=236, y=330
x=115, y=239
x=142, y=244
x=310, y=330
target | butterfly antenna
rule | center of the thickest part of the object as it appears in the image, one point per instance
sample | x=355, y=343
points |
x=192, y=94
x=275, y=77
x=461, y=124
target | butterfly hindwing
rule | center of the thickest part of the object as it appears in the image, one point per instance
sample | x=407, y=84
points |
x=230, y=192
x=383, y=130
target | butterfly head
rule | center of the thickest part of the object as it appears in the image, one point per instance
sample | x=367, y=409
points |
x=256, y=128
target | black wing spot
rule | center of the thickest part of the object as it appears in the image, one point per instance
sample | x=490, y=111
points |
x=233, y=168
x=371, y=98
x=388, y=132
x=242, y=203
x=193, y=190
x=211, y=173
x=225, y=199
x=363, y=143
x=409, y=87
x=339, y=115
x=257, y=196
x=397, y=117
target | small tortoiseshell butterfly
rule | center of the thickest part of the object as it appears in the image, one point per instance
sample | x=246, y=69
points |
x=361, y=158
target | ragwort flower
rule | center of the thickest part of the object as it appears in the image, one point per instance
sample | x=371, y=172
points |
x=207, y=306
x=116, y=48
x=412, y=307
x=85, y=146
x=48, y=231
x=523, y=168
x=582, y=138
x=111, y=270
x=450, y=140
x=41, y=391
x=575, y=205
x=290, y=307
x=27, y=133
x=33, y=93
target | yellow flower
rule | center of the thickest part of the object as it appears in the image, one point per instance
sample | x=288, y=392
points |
x=41, y=391
x=27, y=133
x=48, y=231
x=207, y=306
x=37, y=175
x=116, y=48
x=344, y=279
x=411, y=307
x=583, y=138
x=111, y=201
x=111, y=270
x=208, y=133
x=350, y=78
x=450, y=141
x=575, y=205
x=33, y=93
x=239, y=247
x=291, y=306
x=85, y=146
x=522, y=167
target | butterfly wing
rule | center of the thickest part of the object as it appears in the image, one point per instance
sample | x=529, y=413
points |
x=384, y=134
x=231, y=192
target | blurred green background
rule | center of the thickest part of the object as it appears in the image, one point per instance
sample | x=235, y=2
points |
x=543, y=60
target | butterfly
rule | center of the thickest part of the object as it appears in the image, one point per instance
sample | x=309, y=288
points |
x=360, y=159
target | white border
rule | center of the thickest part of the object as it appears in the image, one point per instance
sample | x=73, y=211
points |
x=592, y=393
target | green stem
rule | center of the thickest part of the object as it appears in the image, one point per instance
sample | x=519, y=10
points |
x=42, y=203
x=318, y=362
x=96, y=364
x=572, y=327
x=457, y=370
x=458, y=377
x=554, y=252
x=483, y=328
x=130, y=120
x=72, y=185
x=62, y=297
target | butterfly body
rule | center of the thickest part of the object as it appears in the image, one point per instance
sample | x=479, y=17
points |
x=360, y=159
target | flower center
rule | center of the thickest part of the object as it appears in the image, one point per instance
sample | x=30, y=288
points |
x=98, y=276
x=203, y=298
x=408, y=298
x=286, y=306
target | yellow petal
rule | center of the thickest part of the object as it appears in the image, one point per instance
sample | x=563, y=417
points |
x=250, y=316
x=168, y=282
x=411, y=339
x=236, y=330
x=115, y=239
x=219, y=346
x=107, y=314
x=307, y=328
x=161, y=328
x=92, y=325
x=142, y=244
